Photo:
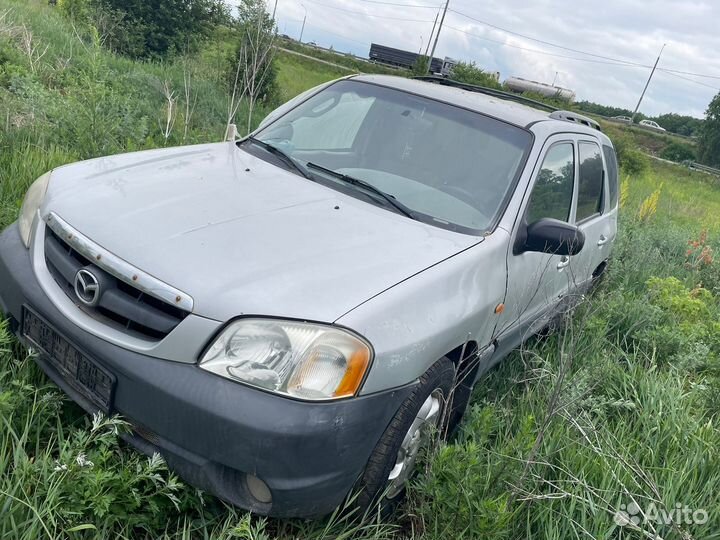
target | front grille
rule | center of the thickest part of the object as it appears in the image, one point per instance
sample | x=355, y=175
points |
x=121, y=305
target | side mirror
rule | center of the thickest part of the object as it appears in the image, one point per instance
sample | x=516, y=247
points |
x=551, y=236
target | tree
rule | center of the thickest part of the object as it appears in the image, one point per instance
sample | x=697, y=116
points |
x=680, y=124
x=252, y=73
x=156, y=28
x=709, y=144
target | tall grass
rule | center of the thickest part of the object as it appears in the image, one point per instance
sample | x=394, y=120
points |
x=619, y=408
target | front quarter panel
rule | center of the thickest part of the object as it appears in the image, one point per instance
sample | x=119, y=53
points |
x=420, y=320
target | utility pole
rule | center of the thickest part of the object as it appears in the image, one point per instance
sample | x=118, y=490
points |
x=437, y=36
x=274, y=10
x=648, y=83
x=302, y=30
x=421, y=44
x=427, y=49
x=555, y=79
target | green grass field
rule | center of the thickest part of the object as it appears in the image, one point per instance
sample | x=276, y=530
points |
x=619, y=408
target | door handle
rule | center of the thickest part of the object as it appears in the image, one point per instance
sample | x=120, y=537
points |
x=603, y=240
x=564, y=262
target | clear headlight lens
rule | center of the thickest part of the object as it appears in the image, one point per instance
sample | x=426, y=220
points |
x=33, y=199
x=303, y=360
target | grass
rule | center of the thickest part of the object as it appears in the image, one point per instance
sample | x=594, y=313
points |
x=297, y=74
x=620, y=407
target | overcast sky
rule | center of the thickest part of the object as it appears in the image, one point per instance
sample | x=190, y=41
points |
x=628, y=30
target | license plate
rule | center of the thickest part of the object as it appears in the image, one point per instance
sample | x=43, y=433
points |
x=79, y=371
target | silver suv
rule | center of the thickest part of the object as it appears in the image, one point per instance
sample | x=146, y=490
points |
x=287, y=317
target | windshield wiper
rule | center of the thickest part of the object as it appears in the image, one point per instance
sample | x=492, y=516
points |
x=400, y=207
x=282, y=155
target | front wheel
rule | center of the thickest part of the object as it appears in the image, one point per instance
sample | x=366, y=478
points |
x=392, y=462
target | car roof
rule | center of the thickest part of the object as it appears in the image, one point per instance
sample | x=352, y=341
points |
x=507, y=110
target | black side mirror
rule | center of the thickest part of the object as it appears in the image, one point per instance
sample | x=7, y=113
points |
x=551, y=236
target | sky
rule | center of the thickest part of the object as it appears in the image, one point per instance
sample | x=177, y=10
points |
x=507, y=36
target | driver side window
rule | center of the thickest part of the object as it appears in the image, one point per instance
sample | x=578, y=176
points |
x=553, y=191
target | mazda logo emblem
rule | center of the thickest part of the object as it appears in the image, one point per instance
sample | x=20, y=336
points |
x=87, y=287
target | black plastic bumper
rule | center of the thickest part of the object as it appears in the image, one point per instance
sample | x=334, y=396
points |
x=212, y=431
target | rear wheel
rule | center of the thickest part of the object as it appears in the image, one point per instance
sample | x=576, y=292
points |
x=392, y=462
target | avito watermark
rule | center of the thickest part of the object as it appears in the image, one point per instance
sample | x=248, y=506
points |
x=633, y=514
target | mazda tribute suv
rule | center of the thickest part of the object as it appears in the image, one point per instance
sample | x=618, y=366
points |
x=287, y=318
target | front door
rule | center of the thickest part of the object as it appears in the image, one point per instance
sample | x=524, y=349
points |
x=537, y=282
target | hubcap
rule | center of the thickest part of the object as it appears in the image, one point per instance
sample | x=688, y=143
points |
x=416, y=437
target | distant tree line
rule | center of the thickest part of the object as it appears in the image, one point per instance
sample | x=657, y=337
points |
x=674, y=123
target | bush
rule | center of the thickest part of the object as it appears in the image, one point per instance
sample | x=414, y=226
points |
x=631, y=159
x=469, y=73
x=420, y=67
x=678, y=152
x=161, y=27
x=78, y=11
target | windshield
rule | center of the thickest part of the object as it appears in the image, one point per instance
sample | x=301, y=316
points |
x=446, y=164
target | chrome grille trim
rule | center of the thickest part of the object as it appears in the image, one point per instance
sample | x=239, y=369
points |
x=117, y=267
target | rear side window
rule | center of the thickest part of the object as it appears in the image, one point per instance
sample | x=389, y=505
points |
x=552, y=195
x=612, y=175
x=590, y=187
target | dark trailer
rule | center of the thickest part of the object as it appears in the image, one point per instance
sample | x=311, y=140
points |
x=399, y=58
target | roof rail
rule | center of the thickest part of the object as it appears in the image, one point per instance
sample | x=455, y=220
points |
x=569, y=116
x=489, y=91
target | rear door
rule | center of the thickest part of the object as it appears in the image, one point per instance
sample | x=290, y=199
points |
x=537, y=282
x=595, y=210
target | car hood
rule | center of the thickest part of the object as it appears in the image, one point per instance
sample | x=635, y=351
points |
x=243, y=236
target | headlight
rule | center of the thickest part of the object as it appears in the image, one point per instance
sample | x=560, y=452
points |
x=303, y=360
x=33, y=199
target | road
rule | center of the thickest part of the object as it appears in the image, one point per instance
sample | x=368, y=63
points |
x=333, y=64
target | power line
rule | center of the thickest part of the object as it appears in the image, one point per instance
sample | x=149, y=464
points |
x=369, y=14
x=321, y=29
x=606, y=60
x=549, y=43
x=420, y=6
x=689, y=79
x=570, y=49
x=538, y=51
x=678, y=72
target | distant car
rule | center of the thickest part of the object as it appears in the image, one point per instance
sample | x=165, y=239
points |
x=652, y=125
x=623, y=119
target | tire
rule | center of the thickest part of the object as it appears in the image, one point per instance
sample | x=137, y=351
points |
x=374, y=482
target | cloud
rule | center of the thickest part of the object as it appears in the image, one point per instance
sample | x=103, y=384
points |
x=631, y=30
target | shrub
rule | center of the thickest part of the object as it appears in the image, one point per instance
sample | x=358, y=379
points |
x=162, y=27
x=631, y=159
x=469, y=73
x=78, y=11
x=420, y=67
x=678, y=152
